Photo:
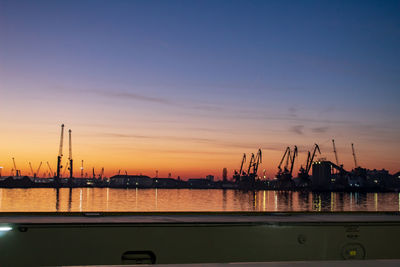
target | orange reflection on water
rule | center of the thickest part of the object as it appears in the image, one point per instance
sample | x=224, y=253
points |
x=131, y=200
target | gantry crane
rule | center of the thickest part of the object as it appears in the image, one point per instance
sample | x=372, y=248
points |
x=59, y=157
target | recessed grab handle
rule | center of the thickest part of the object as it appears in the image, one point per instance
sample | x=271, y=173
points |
x=138, y=257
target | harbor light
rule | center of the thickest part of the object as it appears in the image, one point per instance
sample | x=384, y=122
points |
x=5, y=228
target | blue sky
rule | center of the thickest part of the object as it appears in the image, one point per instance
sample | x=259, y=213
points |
x=282, y=71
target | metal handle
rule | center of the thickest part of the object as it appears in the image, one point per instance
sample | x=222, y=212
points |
x=138, y=257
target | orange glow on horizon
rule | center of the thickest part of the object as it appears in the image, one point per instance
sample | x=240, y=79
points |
x=186, y=157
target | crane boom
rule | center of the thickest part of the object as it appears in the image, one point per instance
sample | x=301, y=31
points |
x=334, y=151
x=293, y=158
x=257, y=161
x=38, y=169
x=30, y=165
x=288, y=158
x=15, y=166
x=241, y=165
x=308, y=159
x=283, y=158
x=51, y=171
x=316, y=148
x=17, y=172
x=251, y=163
x=354, y=155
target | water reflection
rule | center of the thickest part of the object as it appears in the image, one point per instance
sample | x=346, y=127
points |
x=70, y=199
x=317, y=202
x=303, y=199
x=106, y=199
x=57, y=199
x=224, y=199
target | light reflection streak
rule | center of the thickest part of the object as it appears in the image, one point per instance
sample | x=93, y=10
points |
x=107, y=197
x=264, y=200
x=136, y=198
x=80, y=200
x=351, y=201
x=87, y=197
x=156, y=199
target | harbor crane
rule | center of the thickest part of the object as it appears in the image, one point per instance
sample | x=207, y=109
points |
x=288, y=159
x=241, y=165
x=59, y=157
x=309, y=162
x=354, y=155
x=304, y=172
x=287, y=152
x=71, y=170
x=50, y=170
x=293, y=159
x=30, y=165
x=237, y=175
x=257, y=161
x=17, y=172
x=334, y=151
x=251, y=162
x=38, y=169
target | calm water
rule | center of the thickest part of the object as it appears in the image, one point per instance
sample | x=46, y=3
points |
x=105, y=199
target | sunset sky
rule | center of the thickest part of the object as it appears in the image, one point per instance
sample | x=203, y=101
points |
x=187, y=87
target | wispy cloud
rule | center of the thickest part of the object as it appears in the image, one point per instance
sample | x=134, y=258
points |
x=174, y=138
x=320, y=129
x=157, y=100
x=135, y=96
x=298, y=129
